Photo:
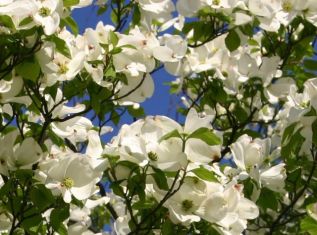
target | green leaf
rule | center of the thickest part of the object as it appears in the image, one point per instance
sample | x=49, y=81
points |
x=205, y=135
x=309, y=225
x=32, y=223
x=102, y=10
x=311, y=112
x=294, y=176
x=232, y=40
x=75, y=87
x=95, y=102
x=252, y=133
x=16, y=205
x=240, y=114
x=71, y=23
x=69, y=3
x=248, y=187
x=201, y=30
x=52, y=90
x=253, y=42
x=41, y=197
x=292, y=146
x=115, y=117
x=310, y=64
x=26, y=21
x=205, y=174
x=61, y=45
x=128, y=46
x=114, y=17
x=137, y=113
x=18, y=231
x=147, y=204
x=110, y=72
x=29, y=69
x=168, y=228
x=136, y=15
x=58, y=216
x=268, y=199
x=288, y=132
x=77, y=202
x=24, y=175
x=113, y=38
x=115, y=50
x=117, y=189
x=112, y=159
x=160, y=178
x=6, y=188
x=128, y=164
x=6, y=21
x=171, y=134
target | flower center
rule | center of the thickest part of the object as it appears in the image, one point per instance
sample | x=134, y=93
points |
x=195, y=180
x=187, y=205
x=153, y=156
x=68, y=182
x=215, y=2
x=304, y=104
x=287, y=6
x=44, y=11
x=62, y=68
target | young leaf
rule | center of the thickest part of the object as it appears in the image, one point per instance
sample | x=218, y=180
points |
x=7, y=21
x=116, y=50
x=61, y=46
x=71, y=23
x=205, y=135
x=26, y=21
x=309, y=225
x=137, y=113
x=69, y=3
x=205, y=174
x=171, y=134
x=113, y=38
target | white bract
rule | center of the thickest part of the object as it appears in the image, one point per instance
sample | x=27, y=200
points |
x=47, y=15
x=252, y=157
x=72, y=175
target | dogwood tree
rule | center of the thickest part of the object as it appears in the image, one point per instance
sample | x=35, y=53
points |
x=243, y=161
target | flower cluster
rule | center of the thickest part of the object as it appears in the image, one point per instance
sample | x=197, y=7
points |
x=243, y=161
x=159, y=144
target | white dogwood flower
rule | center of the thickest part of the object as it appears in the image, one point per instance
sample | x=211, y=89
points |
x=72, y=175
x=252, y=159
x=47, y=15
